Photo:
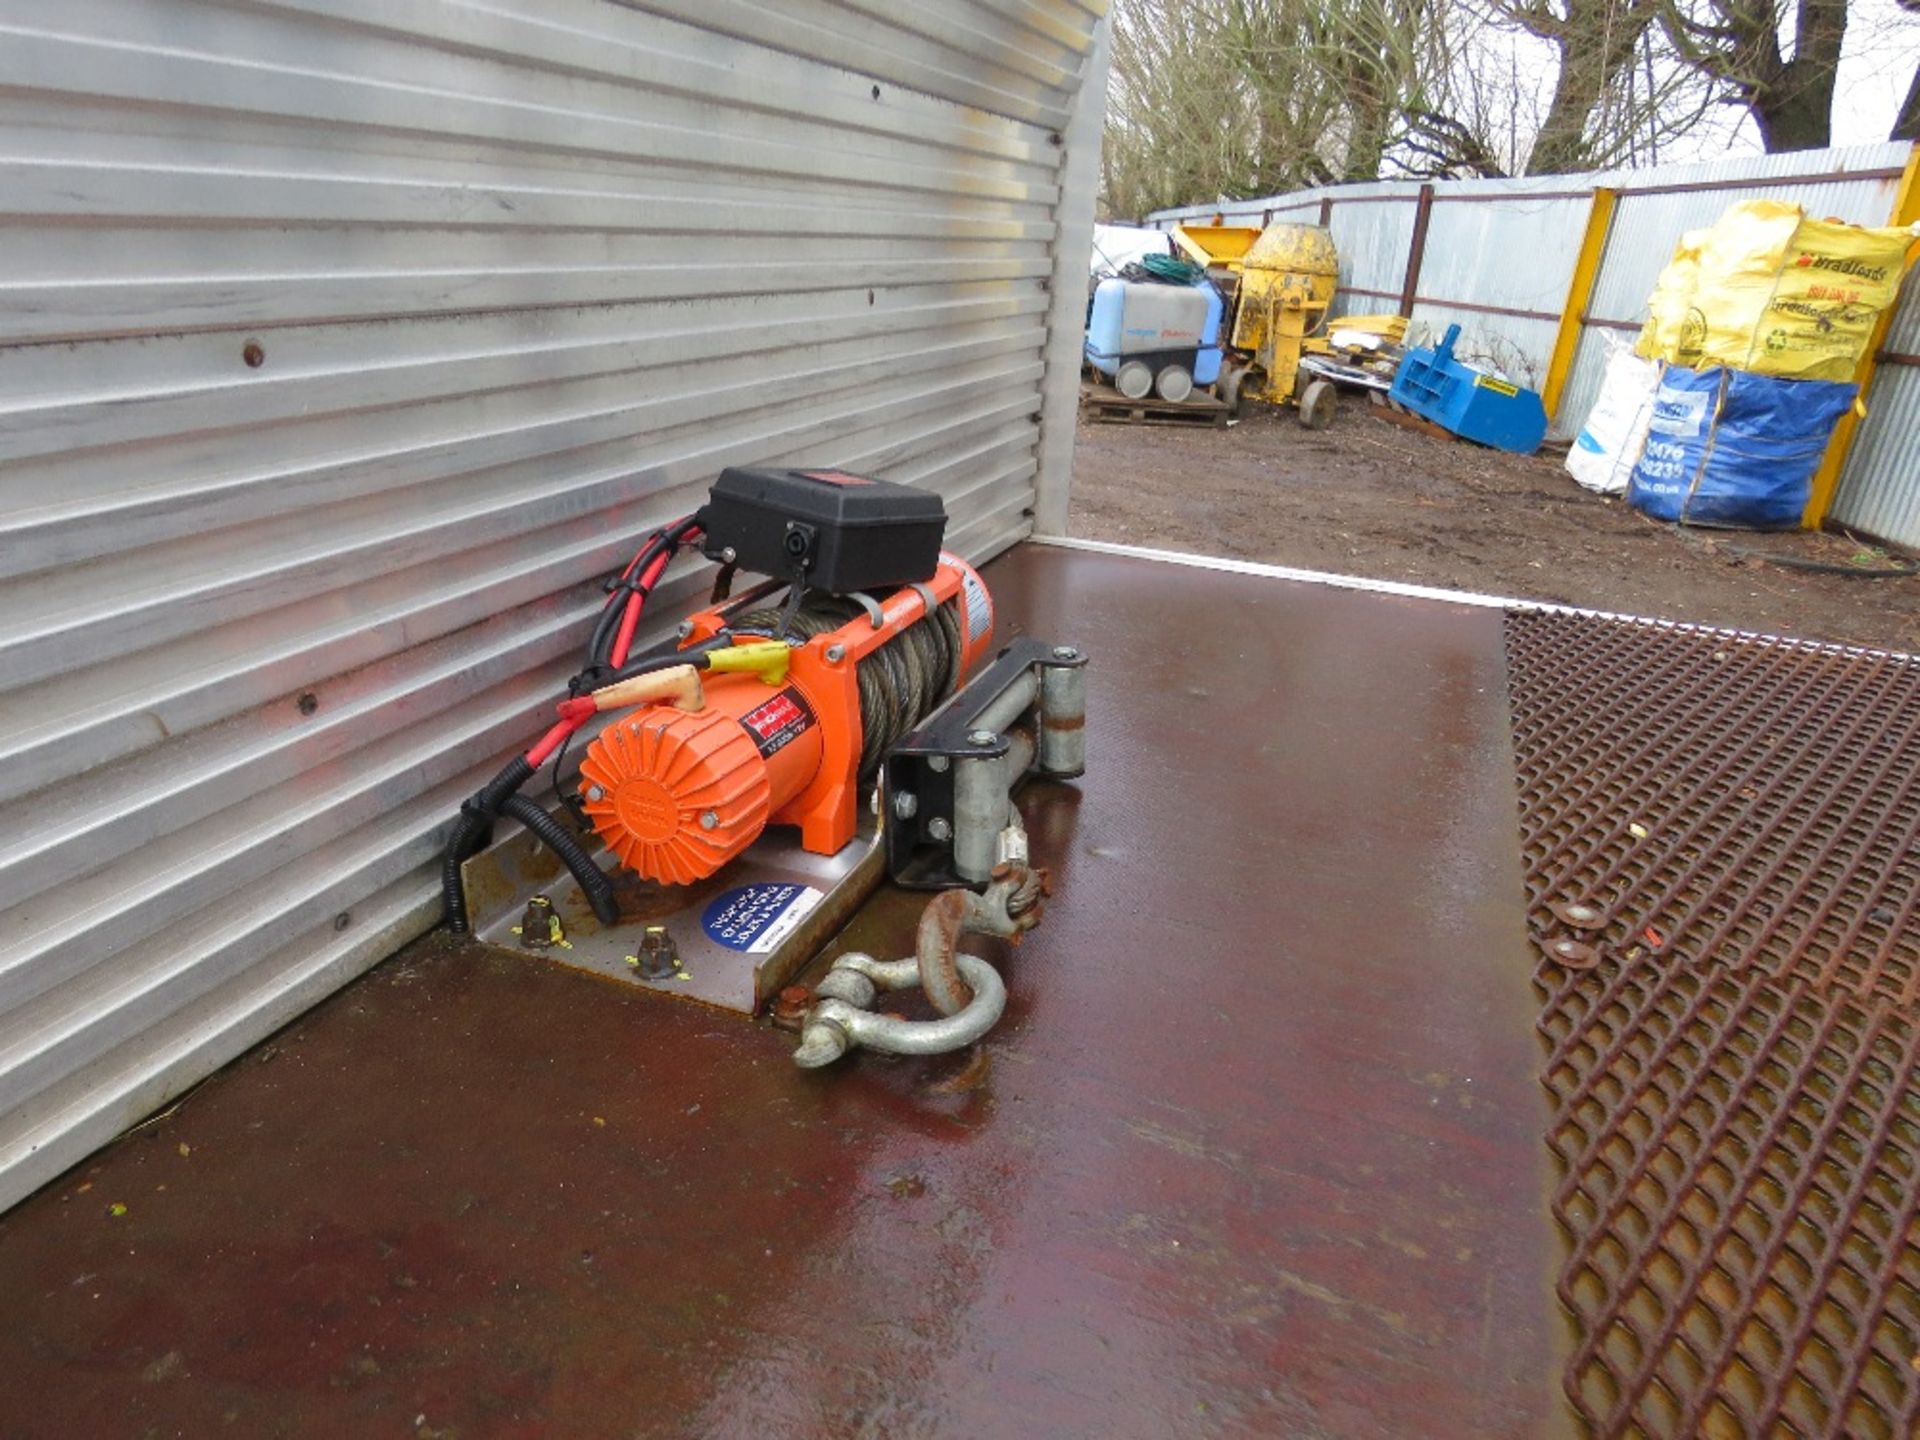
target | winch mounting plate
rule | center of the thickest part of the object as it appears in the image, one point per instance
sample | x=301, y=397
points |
x=739, y=935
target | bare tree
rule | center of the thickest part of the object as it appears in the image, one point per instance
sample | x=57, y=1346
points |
x=1215, y=99
x=1234, y=98
x=1741, y=46
x=1371, y=53
x=1444, y=115
x=1906, y=125
x=1597, y=43
x=1211, y=101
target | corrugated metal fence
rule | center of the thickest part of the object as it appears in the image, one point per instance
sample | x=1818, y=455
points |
x=1498, y=257
x=1880, y=491
x=346, y=344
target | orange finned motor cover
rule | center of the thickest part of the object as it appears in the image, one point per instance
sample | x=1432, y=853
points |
x=676, y=794
x=680, y=793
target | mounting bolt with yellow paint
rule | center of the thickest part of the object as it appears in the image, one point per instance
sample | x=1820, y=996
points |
x=659, y=955
x=539, y=927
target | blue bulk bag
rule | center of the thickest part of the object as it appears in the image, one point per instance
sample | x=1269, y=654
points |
x=1731, y=448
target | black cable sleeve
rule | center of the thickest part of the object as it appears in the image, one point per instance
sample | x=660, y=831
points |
x=593, y=881
x=500, y=795
x=470, y=835
x=606, y=626
x=666, y=659
x=570, y=801
x=497, y=791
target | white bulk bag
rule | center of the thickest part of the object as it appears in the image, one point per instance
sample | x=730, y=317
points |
x=1609, y=444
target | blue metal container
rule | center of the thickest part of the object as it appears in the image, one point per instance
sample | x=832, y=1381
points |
x=1471, y=403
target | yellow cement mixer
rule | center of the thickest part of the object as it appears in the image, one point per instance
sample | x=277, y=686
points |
x=1279, y=283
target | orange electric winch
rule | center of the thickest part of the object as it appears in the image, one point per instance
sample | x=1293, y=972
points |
x=860, y=664
x=774, y=732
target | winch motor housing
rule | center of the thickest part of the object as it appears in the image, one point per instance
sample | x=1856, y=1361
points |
x=675, y=793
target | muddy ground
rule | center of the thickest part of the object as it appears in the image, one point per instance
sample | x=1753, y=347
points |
x=1367, y=497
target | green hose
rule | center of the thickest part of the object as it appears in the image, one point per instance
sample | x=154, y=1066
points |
x=1173, y=269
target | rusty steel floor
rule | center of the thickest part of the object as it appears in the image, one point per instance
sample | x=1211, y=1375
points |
x=1262, y=1150
x=1720, y=834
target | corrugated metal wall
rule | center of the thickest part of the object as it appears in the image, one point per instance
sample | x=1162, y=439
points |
x=1880, y=489
x=1478, y=230
x=345, y=345
x=1372, y=233
x=1499, y=260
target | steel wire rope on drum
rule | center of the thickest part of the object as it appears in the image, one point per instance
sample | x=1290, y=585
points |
x=884, y=666
x=900, y=684
x=950, y=630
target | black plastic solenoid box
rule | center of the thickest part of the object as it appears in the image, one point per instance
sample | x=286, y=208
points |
x=824, y=528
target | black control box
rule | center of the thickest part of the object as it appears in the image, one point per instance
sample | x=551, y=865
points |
x=824, y=528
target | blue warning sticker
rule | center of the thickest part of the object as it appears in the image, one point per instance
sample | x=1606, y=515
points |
x=979, y=607
x=756, y=918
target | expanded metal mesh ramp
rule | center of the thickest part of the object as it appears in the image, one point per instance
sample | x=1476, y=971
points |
x=1719, y=835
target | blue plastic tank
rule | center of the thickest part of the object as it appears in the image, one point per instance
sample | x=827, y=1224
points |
x=1206, y=365
x=1175, y=324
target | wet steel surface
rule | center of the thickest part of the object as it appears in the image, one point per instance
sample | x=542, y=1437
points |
x=1731, y=823
x=1255, y=1151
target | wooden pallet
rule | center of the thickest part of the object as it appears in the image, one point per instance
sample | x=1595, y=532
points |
x=1407, y=420
x=1105, y=404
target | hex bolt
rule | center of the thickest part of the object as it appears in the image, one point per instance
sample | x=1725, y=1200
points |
x=940, y=828
x=1065, y=652
x=982, y=737
x=1574, y=954
x=659, y=957
x=1579, y=914
x=790, y=1006
x=683, y=629
x=709, y=819
x=905, y=804
x=538, y=924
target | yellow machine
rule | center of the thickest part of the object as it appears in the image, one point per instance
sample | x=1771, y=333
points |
x=1286, y=284
x=1278, y=283
x=1221, y=249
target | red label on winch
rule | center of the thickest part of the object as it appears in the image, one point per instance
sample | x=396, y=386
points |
x=778, y=722
x=836, y=477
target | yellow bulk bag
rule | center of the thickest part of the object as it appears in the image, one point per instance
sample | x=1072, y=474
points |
x=1665, y=336
x=1779, y=294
